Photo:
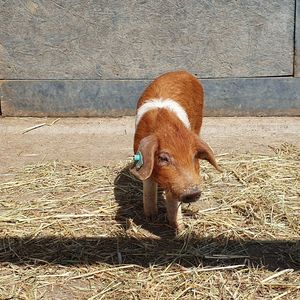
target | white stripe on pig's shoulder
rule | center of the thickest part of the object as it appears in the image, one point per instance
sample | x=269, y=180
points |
x=168, y=104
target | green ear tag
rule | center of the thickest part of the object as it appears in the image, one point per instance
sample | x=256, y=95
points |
x=138, y=159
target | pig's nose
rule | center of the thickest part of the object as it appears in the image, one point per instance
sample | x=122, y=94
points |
x=191, y=195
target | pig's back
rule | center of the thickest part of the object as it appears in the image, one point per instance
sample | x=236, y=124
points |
x=181, y=87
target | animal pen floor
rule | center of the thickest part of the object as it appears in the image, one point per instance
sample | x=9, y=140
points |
x=72, y=226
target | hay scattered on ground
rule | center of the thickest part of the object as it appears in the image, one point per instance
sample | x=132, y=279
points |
x=71, y=231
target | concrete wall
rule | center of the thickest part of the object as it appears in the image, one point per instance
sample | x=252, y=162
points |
x=71, y=57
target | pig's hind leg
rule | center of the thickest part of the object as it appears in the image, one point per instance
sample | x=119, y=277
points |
x=150, y=198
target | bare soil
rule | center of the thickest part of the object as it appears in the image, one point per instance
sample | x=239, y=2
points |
x=107, y=141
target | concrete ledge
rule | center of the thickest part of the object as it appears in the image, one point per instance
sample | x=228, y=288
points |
x=272, y=96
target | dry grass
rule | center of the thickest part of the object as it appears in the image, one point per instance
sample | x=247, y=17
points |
x=77, y=232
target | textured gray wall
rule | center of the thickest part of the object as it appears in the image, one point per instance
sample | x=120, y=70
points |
x=137, y=39
x=248, y=51
x=297, y=39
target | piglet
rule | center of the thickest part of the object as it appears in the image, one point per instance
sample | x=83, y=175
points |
x=167, y=146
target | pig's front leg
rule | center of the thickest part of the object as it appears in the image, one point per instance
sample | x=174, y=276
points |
x=150, y=198
x=174, y=212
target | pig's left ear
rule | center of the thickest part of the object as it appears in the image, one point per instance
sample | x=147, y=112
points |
x=144, y=167
x=205, y=152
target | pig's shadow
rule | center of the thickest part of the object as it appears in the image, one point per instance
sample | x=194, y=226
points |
x=128, y=192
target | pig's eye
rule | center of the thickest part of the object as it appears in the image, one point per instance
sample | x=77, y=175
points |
x=164, y=159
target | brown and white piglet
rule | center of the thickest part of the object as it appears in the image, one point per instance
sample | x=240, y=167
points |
x=168, y=122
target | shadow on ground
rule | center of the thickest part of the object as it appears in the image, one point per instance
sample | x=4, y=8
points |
x=128, y=192
x=273, y=255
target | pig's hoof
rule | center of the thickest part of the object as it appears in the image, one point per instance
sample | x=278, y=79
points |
x=178, y=227
x=151, y=217
x=150, y=211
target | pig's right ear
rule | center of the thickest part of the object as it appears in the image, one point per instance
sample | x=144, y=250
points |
x=147, y=148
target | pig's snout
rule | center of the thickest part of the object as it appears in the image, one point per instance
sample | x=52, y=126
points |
x=191, y=195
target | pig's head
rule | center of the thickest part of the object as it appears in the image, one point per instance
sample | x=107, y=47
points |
x=171, y=158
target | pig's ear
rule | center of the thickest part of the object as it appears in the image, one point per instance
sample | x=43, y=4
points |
x=147, y=148
x=205, y=152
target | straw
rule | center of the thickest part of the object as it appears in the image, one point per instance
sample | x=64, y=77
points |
x=70, y=231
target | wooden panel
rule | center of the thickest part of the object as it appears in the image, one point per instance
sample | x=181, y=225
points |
x=224, y=97
x=136, y=39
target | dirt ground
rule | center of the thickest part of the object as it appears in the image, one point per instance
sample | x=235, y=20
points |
x=107, y=141
x=74, y=228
